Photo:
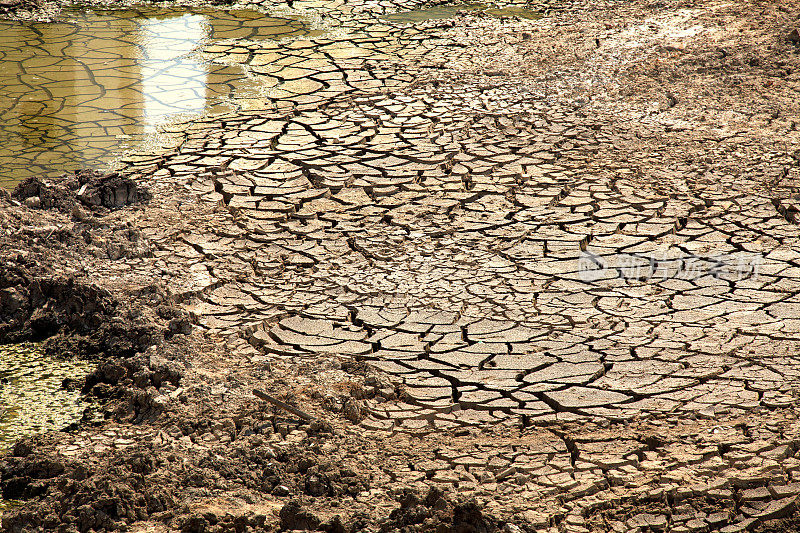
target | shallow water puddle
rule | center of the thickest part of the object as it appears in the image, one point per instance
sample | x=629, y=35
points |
x=451, y=11
x=32, y=398
x=78, y=92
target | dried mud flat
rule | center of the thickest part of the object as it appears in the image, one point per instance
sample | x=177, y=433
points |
x=435, y=239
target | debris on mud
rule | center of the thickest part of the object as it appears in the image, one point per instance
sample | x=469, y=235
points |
x=6, y=6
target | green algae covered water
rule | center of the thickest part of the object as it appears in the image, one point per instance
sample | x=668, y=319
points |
x=32, y=397
x=78, y=92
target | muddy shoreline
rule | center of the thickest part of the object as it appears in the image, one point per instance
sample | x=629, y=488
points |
x=432, y=239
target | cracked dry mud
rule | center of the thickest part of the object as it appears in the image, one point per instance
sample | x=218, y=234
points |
x=550, y=267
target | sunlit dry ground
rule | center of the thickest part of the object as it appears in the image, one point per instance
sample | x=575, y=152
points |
x=566, y=249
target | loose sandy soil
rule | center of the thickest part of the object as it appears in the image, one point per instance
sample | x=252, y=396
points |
x=522, y=275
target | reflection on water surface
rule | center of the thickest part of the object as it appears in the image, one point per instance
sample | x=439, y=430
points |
x=77, y=92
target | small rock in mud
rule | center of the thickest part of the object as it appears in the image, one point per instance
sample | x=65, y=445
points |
x=794, y=36
x=281, y=491
x=468, y=518
x=180, y=325
x=34, y=202
x=294, y=517
x=353, y=410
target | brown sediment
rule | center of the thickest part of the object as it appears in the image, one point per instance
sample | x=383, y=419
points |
x=521, y=275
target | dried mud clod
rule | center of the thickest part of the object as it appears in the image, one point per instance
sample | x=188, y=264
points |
x=436, y=512
x=88, y=188
x=73, y=318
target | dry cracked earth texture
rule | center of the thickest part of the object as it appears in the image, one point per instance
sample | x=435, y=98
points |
x=536, y=274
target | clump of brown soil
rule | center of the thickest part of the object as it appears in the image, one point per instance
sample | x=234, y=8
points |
x=436, y=512
x=77, y=319
x=87, y=500
x=88, y=188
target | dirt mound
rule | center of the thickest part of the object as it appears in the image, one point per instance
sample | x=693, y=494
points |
x=89, y=188
x=87, y=501
x=32, y=308
x=436, y=512
x=77, y=319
